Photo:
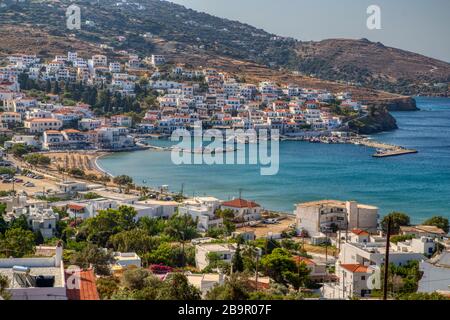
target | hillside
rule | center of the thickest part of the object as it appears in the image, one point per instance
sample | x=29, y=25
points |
x=181, y=32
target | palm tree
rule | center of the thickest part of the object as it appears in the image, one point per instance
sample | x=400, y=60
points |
x=182, y=228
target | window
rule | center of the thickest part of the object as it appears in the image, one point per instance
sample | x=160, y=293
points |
x=363, y=278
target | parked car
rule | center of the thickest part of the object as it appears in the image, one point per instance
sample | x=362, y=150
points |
x=29, y=184
x=18, y=180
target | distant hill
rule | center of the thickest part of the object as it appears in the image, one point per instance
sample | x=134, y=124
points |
x=177, y=30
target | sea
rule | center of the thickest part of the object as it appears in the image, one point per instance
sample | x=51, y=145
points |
x=417, y=184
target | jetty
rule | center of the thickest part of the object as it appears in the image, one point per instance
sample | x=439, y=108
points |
x=393, y=153
x=384, y=150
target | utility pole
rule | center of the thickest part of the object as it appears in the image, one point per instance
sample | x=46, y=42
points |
x=386, y=259
x=240, y=193
x=256, y=269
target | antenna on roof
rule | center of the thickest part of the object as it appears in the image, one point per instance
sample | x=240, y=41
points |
x=240, y=193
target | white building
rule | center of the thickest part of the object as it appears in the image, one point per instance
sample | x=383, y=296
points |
x=436, y=274
x=126, y=259
x=324, y=216
x=373, y=253
x=205, y=281
x=225, y=252
x=158, y=60
x=423, y=245
x=35, y=278
x=114, y=67
x=244, y=211
x=37, y=125
x=89, y=124
x=203, y=210
x=114, y=138
x=354, y=281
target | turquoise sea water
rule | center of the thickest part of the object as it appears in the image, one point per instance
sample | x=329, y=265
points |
x=418, y=184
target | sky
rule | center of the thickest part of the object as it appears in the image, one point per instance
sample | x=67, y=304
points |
x=420, y=26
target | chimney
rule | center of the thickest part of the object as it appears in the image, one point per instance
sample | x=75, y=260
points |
x=58, y=254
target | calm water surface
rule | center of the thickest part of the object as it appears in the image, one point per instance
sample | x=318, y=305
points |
x=417, y=184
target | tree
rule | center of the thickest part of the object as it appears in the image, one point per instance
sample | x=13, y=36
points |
x=151, y=225
x=91, y=196
x=19, y=150
x=17, y=243
x=167, y=254
x=227, y=215
x=134, y=279
x=215, y=262
x=135, y=240
x=177, y=287
x=235, y=288
x=77, y=172
x=19, y=223
x=4, y=285
x=398, y=219
x=37, y=159
x=422, y=296
x=3, y=224
x=123, y=180
x=278, y=263
x=109, y=222
x=299, y=278
x=93, y=255
x=38, y=238
x=237, y=263
x=439, y=222
x=181, y=228
x=107, y=286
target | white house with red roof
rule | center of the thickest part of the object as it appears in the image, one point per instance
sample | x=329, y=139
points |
x=318, y=271
x=354, y=281
x=359, y=236
x=244, y=210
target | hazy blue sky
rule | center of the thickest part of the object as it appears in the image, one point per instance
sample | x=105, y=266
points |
x=421, y=26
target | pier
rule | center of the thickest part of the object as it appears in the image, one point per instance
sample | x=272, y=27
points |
x=394, y=153
x=384, y=150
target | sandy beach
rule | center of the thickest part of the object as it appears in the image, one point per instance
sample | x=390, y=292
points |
x=85, y=161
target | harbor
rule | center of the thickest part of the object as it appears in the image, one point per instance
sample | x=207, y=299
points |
x=383, y=150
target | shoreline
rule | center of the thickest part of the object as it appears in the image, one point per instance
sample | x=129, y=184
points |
x=98, y=167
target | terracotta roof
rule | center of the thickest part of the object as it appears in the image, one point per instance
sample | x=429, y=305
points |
x=43, y=120
x=307, y=261
x=71, y=131
x=240, y=203
x=88, y=287
x=77, y=207
x=360, y=232
x=355, y=268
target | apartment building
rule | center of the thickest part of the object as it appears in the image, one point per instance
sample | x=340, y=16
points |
x=37, y=125
x=330, y=215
